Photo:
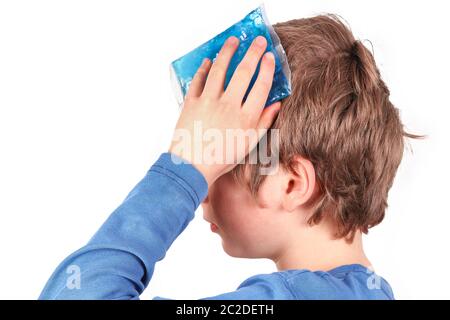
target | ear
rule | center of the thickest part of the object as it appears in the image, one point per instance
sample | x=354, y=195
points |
x=299, y=184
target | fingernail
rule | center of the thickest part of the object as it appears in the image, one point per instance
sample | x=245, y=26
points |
x=270, y=56
x=260, y=41
x=232, y=40
x=205, y=62
x=278, y=107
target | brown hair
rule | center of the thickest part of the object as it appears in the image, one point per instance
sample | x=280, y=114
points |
x=340, y=118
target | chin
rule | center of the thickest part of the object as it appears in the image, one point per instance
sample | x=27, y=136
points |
x=238, y=252
x=233, y=251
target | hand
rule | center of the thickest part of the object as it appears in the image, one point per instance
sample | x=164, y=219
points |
x=217, y=112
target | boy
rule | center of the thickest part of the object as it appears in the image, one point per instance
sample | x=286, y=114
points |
x=340, y=141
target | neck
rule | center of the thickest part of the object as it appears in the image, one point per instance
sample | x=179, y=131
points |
x=314, y=249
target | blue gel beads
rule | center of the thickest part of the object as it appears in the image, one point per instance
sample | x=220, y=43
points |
x=254, y=24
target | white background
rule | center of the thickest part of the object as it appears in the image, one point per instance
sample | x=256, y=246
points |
x=86, y=107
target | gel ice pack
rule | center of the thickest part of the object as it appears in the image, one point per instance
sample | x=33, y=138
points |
x=183, y=69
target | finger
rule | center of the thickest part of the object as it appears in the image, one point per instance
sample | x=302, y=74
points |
x=198, y=82
x=257, y=97
x=265, y=122
x=268, y=115
x=246, y=69
x=216, y=79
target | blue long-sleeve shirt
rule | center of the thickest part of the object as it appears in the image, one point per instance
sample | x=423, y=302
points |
x=118, y=261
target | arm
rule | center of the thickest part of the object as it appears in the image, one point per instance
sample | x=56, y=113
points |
x=118, y=262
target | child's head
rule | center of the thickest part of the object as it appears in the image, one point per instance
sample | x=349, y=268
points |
x=341, y=142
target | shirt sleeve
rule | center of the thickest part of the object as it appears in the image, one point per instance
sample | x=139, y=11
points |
x=119, y=260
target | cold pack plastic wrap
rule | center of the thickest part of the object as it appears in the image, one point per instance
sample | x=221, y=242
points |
x=254, y=24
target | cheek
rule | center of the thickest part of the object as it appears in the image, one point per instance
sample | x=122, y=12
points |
x=229, y=204
x=229, y=207
x=245, y=234
x=241, y=223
